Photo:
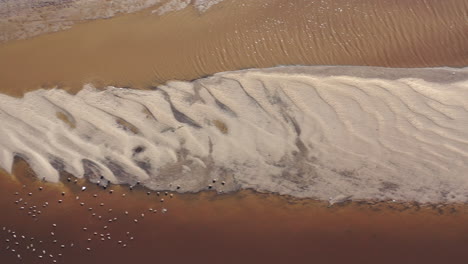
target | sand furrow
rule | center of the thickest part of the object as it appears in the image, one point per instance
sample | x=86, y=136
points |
x=380, y=134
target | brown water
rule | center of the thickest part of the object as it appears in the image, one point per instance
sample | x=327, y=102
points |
x=142, y=50
x=245, y=227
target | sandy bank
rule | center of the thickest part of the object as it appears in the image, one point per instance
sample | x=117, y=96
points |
x=328, y=133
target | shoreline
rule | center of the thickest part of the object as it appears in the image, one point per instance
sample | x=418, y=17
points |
x=35, y=19
x=64, y=185
x=246, y=223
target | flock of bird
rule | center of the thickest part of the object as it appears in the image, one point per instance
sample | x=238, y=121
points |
x=50, y=248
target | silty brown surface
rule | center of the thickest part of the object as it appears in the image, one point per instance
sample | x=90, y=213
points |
x=244, y=227
x=142, y=50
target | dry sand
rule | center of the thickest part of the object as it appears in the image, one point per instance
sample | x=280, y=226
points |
x=142, y=49
x=307, y=131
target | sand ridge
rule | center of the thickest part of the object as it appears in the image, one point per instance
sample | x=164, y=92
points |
x=284, y=130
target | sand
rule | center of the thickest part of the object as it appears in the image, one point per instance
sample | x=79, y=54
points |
x=329, y=133
x=142, y=49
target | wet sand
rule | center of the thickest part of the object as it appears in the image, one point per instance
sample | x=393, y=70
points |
x=245, y=227
x=142, y=50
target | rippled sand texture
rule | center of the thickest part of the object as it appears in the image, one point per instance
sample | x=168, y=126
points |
x=241, y=228
x=331, y=133
x=144, y=49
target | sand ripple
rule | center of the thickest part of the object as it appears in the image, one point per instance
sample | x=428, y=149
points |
x=321, y=132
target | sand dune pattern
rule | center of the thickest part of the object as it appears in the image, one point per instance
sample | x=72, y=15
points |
x=319, y=132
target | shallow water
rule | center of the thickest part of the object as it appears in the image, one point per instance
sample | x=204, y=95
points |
x=244, y=227
x=20, y=19
x=142, y=50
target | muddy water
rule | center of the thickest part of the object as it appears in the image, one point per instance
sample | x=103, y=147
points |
x=142, y=50
x=245, y=227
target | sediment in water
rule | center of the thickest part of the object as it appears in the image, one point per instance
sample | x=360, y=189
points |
x=142, y=50
x=246, y=226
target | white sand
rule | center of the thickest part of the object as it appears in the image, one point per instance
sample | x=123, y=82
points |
x=320, y=132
